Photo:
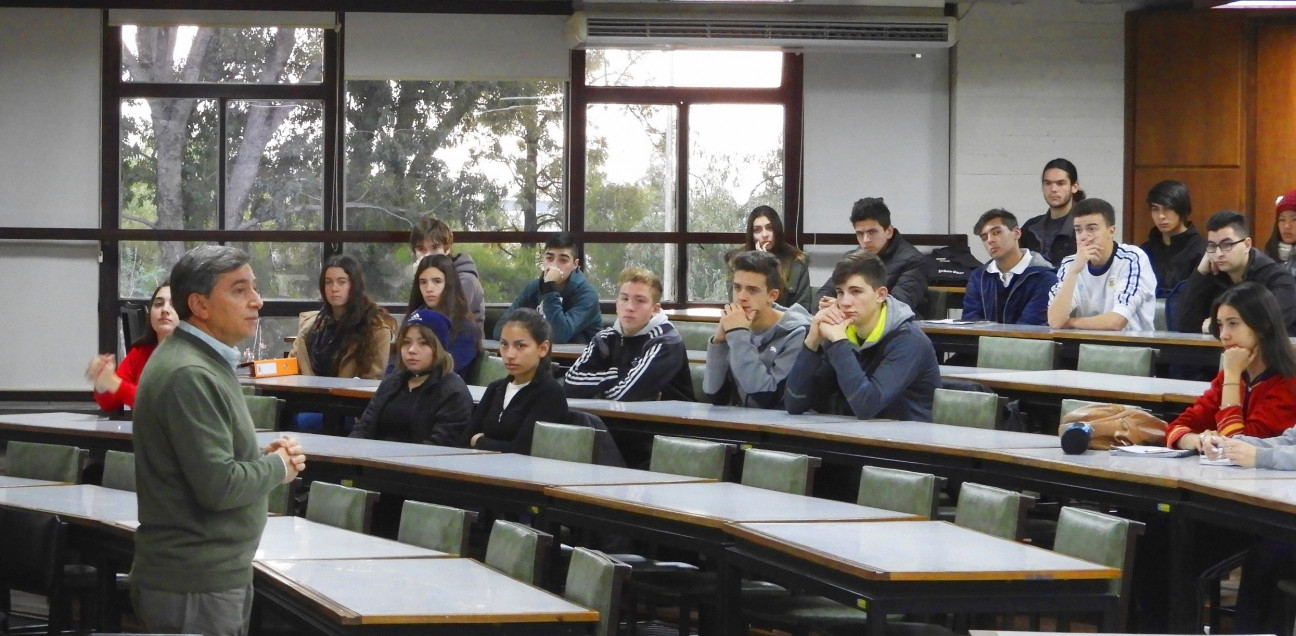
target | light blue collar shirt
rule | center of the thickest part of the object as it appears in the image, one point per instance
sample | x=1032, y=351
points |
x=231, y=354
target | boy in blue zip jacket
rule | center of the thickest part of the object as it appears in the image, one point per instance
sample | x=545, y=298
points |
x=1013, y=286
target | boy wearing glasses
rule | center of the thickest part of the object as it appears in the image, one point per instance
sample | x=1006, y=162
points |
x=1104, y=285
x=1230, y=259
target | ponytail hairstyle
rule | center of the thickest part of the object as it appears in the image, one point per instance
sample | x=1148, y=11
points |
x=1072, y=174
x=537, y=327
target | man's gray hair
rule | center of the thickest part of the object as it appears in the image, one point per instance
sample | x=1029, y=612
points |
x=197, y=271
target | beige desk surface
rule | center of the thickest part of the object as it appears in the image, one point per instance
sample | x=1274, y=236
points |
x=81, y=503
x=348, y=450
x=1251, y=486
x=86, y=424
x=520, y=471
x=694, y=314
x=919, y=436
x=1088, y=384
x=309, y=383
x=1155, y=471
x=1043, y=332
x=917, y=551
x=23, y=482
x=418, y=591
x=679, y=412
x=367, y=392
x=713, y=504
x=951, y=370
x=297, y=538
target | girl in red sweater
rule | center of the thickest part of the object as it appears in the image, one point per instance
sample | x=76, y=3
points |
x=1255, y=390
x=114, y=386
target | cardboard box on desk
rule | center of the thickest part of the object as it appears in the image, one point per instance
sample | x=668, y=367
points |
x=275, y=367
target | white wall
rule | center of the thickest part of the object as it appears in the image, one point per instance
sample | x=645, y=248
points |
x=49, y=177
x=1034, y=81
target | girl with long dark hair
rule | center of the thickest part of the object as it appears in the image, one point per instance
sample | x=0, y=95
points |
x=437, y=287
x=505, y=419
x=1255, y=391
x=114, y=386
x=350, y=336
x=765, y=234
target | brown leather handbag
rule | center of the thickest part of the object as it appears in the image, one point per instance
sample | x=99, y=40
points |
x=1118, y=425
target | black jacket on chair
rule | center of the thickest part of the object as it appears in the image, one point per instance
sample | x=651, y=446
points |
x=509, y=430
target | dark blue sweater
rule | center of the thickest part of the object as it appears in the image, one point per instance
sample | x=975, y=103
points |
x=1023, y=302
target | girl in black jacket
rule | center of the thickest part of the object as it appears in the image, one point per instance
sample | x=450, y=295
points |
x=422, y=400
x=505, y=419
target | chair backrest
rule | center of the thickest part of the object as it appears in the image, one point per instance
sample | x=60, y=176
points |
x=697, y=373
x=249, y=389
x=690, y=457
x=119, y=470
x=991, y=510
x=594, y=580
x=1103, y=539
x=518, y=551
x=900, y=490
x=696, y=335
x=341, y=506
x=487, y=369
x=1140, y=361
x=776, y=470
x=435, y=527
x=51, y=462
x=264, y=410
x=134, y=320
x=282, y=500
x=967, y=408
x=606, y=452
x=566, y=442
x=1022, y=354
x=32, y=553
x=1071, y=404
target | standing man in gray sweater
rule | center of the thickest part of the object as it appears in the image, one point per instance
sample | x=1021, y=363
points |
x=202, y=481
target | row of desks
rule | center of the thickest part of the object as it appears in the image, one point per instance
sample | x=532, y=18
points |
x=890, y=561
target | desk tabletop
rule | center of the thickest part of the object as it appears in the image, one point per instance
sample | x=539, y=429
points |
x=1251, y=486
x=713, y=504
x=347, y=450
x=694, y=314
x=1043, y=332
x=520, y=471
x=22, y=482
x=418, y=591
x=917, y=551
x=1087, y=384
x=309, y=383
x=919, y=436
x=288, y=538
x=87, y=424
x=79, y=503
x=1166, y=472
x=710, y=415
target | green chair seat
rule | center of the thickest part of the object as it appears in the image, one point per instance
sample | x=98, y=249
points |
x=341, y=506
x=1021, y=354
x=564, y=442
x=991, y=510
x=1103, y=539
x=1138, y=361
x=119, y=470
x=967, y=408
x=690, y=457
x=434, y=527
x=51, y=462
x=776, y=470
x=518, y=551
x=594, y=581
x=900, y=490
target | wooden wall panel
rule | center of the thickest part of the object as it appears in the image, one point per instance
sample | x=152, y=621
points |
x=1274, y=171
x=1211, y=189
x=1189, y=71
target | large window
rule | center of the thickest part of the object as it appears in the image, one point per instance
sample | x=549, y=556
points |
x=682, y=144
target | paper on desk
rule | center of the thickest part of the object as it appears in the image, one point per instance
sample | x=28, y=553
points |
x=954, y=321
x=1151, y=451
x=1222, y=461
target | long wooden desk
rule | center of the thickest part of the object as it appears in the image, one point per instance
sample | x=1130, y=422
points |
x=410, y=596
x=1089, y=385
x=1174, y=347
x=80, y=504
x=919, y=567
x=57, y=428
x=22, y=482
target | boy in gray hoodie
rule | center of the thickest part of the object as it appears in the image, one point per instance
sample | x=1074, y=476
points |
x=863, y=355
x=757, y=341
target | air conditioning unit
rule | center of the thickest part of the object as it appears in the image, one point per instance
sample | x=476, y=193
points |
x=595, y=29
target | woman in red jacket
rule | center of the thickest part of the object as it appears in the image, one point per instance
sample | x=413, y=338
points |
x=1255, y=390
x=114, y=386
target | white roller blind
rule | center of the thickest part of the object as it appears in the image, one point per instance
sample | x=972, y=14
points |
x=438, y=46
x=170, y=17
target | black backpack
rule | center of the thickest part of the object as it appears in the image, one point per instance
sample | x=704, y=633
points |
x=950, y=266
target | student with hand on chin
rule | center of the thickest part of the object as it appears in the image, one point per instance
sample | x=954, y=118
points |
x=1230, y=259
x=505, y=419
x=765, y=234
x=863, y=354
x=561, y=294
x=1104, y=285
x=114, y=386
